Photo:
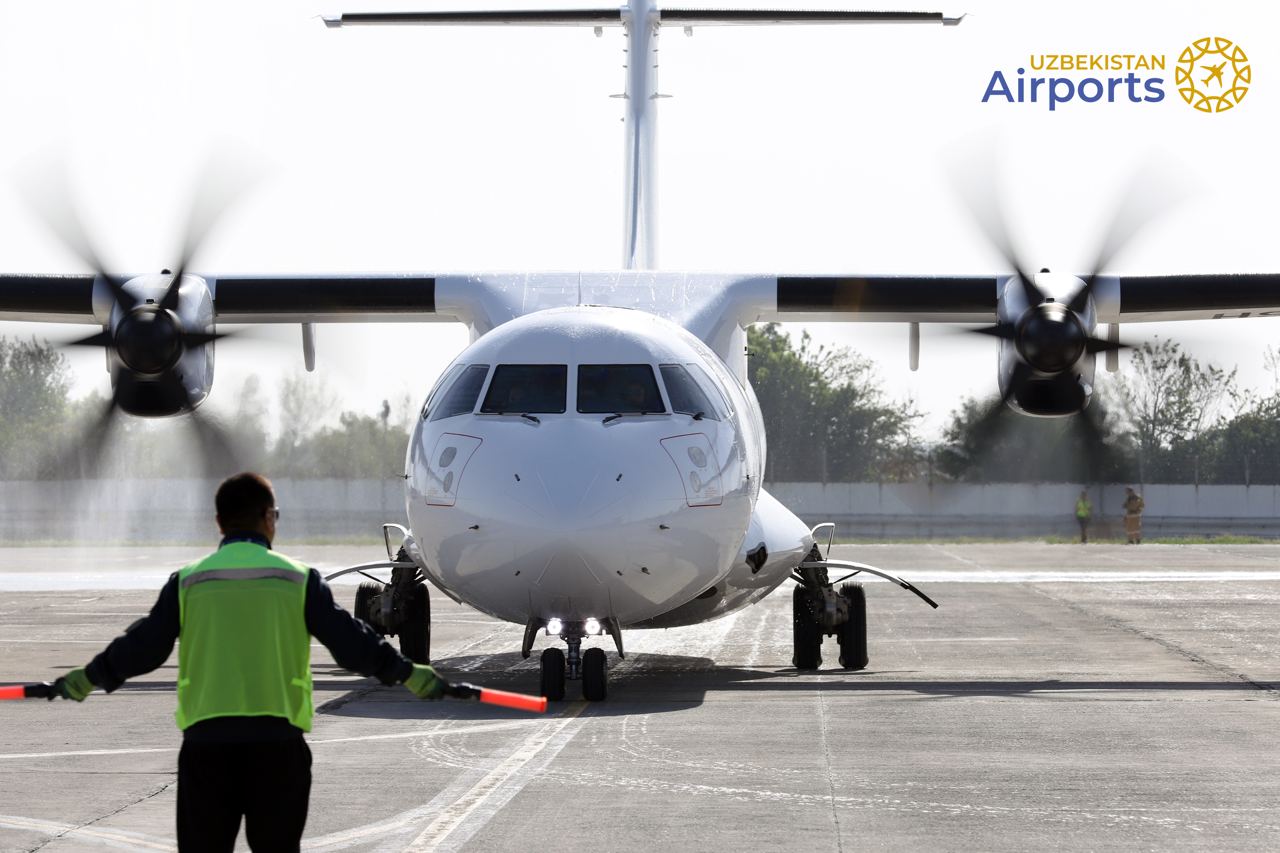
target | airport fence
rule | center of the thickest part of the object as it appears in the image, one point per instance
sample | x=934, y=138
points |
x=181, y=510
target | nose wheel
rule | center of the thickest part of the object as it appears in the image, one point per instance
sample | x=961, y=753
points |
x=553, y=674
x=590, y=667
x=594, y=675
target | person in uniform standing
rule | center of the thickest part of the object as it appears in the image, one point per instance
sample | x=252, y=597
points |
x=243, y=617
x=1084, y=511
x=1133, y=506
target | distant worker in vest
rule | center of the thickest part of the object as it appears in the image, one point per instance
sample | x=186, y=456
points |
x=243, y=617
x=1133, y=506
x=1084, y=512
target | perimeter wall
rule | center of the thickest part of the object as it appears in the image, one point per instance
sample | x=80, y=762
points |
x=118, y=511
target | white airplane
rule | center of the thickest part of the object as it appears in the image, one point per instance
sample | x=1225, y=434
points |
x=592, y=462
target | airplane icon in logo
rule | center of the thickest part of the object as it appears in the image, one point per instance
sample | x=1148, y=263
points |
x=1215, y=73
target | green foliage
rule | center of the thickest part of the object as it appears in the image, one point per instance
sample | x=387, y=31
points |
x=826, y=415
x=1246, y=448
x=34, y=406
x=361, y=446
x=1173, y=405
x=986, y=444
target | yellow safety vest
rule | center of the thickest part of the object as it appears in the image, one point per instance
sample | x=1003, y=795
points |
x=243, y=649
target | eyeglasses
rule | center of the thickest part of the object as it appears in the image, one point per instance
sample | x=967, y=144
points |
x=274, y=513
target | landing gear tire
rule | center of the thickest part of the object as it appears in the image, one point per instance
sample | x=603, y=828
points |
x=852, y=635
x=553, y=674
x=594, y=675
x=415, y=629
x=366, y=594
x=806, y=635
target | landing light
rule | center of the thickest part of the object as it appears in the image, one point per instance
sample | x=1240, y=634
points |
x=554, y=626
x=592, y=626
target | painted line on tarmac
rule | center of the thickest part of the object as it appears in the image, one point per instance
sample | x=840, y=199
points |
x=497, y=787
x=112, y=837
x=441, y=731
x=80, y=753
x=69, y=581
x=1082, y=576
x=425, y=733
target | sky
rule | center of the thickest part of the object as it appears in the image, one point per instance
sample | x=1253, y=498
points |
x=782, y=149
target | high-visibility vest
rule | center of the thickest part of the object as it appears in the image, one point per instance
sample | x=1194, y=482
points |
x=243, y=649
x=1083, y=509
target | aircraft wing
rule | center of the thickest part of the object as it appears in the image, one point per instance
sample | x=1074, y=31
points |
x=913, y=299
x=47, y=298
x=237, y=298
x=972, y=299
x=412, y=297
x=1157, y=298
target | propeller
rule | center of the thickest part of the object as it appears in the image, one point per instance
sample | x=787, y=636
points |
x=1050, y=335
x=149, y=338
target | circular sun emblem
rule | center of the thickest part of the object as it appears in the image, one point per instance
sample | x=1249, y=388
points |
x=1213, y=74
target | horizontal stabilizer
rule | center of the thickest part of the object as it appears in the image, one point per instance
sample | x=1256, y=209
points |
x=614, y=17
x=525, y=17
x=718, y=17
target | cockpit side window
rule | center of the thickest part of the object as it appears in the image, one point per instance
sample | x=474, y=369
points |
x=685, y=395
x=523, y=388
x=717, y=394
x=442, y=383
x=461, y=398
x=618, y=389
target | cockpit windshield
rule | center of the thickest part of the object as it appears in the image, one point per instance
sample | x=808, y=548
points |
x=618, y=389
x=526, y=388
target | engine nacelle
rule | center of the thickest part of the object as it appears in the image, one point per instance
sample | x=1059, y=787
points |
x=1045, y=366
x=161, y=358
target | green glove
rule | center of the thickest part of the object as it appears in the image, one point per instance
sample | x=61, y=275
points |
x=424, y=683
x=74, y=685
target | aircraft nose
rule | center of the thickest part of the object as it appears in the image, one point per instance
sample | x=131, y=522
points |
x=567, y=484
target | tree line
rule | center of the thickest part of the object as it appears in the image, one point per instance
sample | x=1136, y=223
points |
x=41, y=425
x=1167, y=417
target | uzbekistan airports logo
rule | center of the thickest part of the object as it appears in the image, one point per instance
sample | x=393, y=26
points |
x=1212, y=75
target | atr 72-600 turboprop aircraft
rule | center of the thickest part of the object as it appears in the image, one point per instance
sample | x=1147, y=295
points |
x=592, y=462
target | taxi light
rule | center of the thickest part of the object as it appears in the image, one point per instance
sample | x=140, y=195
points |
x=592, y=626
x=554, y=626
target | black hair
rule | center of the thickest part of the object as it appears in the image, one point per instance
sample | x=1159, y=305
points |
x=242, y=501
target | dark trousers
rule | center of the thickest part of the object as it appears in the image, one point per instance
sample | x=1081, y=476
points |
x=1084, y=528
x=267, y=783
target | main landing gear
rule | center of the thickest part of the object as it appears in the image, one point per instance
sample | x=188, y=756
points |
x=818, y=609
x=401, y=607
x=590, y=667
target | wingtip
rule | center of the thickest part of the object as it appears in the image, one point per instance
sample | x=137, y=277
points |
x=332, y=21
x=954, y=22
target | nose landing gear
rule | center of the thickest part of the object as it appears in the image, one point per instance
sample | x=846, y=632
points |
x=590, y=667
